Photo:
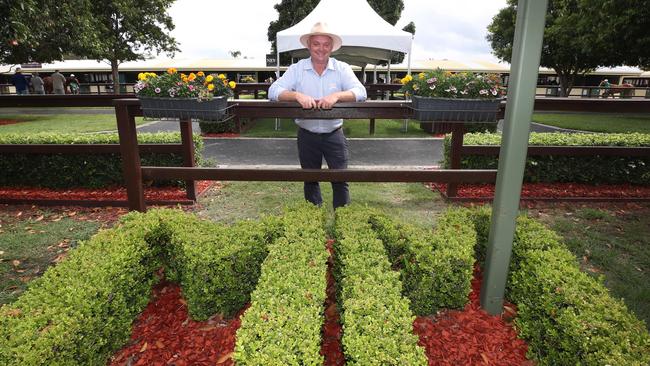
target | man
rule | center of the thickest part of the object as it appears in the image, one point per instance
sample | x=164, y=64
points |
x=58, y=82
x=38, y=84
x=319, y=82
x=74, y=84
x=20, y=82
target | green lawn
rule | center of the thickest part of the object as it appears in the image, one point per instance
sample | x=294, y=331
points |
x=610, y=242
x=596, y=122
x=354, y=128
x=62, y=123
x=30, y=243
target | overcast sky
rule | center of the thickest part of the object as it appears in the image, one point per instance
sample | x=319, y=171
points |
x=451, y=29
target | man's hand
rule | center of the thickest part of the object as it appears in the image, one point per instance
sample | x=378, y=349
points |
x=306, y=101
x=328, y=101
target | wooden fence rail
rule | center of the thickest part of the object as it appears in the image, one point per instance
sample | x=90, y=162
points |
x=129, y=108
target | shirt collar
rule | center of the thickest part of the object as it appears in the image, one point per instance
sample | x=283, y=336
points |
x=330, y=64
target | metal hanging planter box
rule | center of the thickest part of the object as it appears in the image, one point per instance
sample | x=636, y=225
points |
x=456, y=110
x=208, y=110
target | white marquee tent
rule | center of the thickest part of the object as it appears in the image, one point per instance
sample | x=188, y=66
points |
x=367, y=37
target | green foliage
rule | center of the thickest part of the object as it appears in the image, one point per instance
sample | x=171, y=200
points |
x=217, y=267
x=79, y=170
x=63, y=28
x=444, y=84
x=80, y=311
x=566, y=316
x=283, y=324
x=436, y=268
x=218, y=127
x=578, y=169
x=376, y=319
x=580, y=36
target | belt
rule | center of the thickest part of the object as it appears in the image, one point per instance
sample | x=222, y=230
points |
x=321, y=133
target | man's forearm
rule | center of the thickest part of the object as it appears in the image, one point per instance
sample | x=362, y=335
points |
x=288, y=96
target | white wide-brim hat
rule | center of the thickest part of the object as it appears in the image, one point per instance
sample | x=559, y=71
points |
x=321, y=29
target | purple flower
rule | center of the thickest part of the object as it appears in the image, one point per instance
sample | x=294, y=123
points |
x=432, y=80
x=432, y=87
x=483, y=92
x=157, y=90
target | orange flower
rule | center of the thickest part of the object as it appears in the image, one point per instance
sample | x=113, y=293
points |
x=200, y=73
x=192, y=76
x=171, y=70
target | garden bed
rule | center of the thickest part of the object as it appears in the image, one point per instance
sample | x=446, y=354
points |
x=552, y=191
x=153, y=195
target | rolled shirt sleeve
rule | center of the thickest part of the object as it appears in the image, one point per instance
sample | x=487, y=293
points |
x=351, y=82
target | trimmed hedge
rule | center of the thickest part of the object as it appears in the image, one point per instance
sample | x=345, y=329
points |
x=217, y=266
x=82, y=170
x=81, y=310
x=377, y=322
x=566, y=316
x=283, y=324
x=436, y=268
x=576, y=169
x=218, y=127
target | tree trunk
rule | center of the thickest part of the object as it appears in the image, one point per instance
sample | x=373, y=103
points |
x=567, y=79
x=116, y=78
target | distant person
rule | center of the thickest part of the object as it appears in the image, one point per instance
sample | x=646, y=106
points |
x=20, y=82
x=319, y=82
x=74, y=84
x=605, y=85
x=38, y=84
x=58, y=82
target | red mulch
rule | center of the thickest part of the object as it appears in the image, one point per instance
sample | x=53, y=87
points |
x=331, y=346
x=471, y=336
x=552, y=190
x=8, y=121
x=164, y=334
x=223, y=134
x=100, y=194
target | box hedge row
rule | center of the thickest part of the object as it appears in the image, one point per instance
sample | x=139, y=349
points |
x=80, y=170
x=593, y=169
x=377, y=322
x=566, y=316
x=435, y=267
x=80, y=311
x=283, y=324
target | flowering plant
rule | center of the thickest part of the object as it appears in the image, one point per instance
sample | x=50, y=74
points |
x=173, y=84
x=444, y=84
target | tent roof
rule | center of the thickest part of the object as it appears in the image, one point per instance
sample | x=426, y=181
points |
x=367, y=37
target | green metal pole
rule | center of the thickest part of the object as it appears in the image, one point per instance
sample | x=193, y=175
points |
x=527, y=48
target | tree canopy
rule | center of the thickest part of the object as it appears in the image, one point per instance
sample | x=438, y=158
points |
x=581, y=35
x=44, y=30
x=113, y=30
x=291, y=12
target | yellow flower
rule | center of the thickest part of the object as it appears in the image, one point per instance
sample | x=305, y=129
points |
x=183, y=76
x=200, y=73
x=210, y=87
x=406, y=79
x=142, y=76
x=221, y=76
x=448, y=73
x=421, y=75
x=232, y=85
x=209, y=78
x=171, y=70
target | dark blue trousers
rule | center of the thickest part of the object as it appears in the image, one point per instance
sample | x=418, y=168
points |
x=312, y=148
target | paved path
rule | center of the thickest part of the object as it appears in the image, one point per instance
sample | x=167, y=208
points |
x=411, y=153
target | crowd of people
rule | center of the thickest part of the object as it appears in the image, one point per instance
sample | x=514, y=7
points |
x=56, y=83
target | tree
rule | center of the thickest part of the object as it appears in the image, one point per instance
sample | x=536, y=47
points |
x=130, y=30
x=579, y=36
x=44, y=30
x=292, y=12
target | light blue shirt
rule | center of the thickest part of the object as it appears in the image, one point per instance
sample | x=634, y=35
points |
x=301, y=77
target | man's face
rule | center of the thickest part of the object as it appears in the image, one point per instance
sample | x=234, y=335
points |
x=320, y=48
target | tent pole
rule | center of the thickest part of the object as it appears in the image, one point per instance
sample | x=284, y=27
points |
x=374, y=75
x=388, y=74
x=277, y=60
x=408, y=72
